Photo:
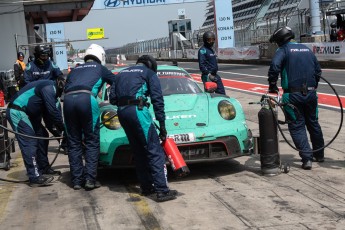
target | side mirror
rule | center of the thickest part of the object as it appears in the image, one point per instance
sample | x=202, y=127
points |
x=210, y=87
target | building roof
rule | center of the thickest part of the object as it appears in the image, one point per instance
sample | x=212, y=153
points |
x=52, y=11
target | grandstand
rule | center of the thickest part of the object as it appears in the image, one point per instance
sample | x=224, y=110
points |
x=254, y=21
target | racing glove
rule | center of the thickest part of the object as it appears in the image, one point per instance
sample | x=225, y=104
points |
x=273, y=88
x=55, y=131
x=317, y=79
x=212, y=77
x=162, y=131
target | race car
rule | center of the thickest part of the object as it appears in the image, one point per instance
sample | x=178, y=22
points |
x=205, y=126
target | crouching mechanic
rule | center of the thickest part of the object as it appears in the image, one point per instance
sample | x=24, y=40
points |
x=24, y=113
x=300, y=74
x=208, y=62
x=81, y=115
x=129, y=92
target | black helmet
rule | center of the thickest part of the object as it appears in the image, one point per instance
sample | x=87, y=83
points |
x=282, y=35
x=42, y=49
x=60, y=85
x=333, y=25
x=209, y=38
x=31, y=58
x=20, y=54
x=42, y=53
x=149, y=61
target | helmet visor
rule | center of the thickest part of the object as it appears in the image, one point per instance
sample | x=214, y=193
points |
x=210, y=40
x=44, y=56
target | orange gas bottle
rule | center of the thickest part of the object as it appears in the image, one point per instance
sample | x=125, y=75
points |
x=175, y=158
x=2, y=99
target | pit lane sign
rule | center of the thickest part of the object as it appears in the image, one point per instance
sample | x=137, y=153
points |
x=56, y=33
x=225, y=23
x=95, y=33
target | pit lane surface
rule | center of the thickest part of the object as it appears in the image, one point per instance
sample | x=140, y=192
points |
x=223, y=195
x=253, y=79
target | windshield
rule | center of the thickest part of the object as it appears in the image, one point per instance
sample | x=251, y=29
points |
x=172, y=82
x=178, y=85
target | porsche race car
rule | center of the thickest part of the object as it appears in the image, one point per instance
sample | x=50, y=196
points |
x=205, y=126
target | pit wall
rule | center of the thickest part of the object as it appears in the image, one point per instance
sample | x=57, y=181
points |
x=329, y=54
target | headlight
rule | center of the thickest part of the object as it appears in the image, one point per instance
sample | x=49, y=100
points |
x=226, y=110
x=110, y=119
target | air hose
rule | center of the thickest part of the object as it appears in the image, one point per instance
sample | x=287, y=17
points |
x=41, y=138
x=271, y=105
x=32, y=137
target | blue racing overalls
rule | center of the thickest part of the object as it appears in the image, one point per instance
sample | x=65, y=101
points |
x=34, y=72
x=300, y=73
x=208, y=65
x=129, y=92
x=81, y=115
x=24, y=113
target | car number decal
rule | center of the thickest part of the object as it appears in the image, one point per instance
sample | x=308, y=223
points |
x=183, y=138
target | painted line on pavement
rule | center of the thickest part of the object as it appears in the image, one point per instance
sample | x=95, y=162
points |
x=257, y=76
x=324, y=99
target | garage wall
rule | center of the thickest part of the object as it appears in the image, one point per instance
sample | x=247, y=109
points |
x=12, y=22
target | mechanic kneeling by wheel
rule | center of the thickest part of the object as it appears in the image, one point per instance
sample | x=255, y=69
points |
x=129, y=92
x=33, y=102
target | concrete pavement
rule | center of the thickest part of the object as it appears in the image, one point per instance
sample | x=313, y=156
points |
x=230, y=194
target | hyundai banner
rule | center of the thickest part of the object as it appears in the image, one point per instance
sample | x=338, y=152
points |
x=113, y=4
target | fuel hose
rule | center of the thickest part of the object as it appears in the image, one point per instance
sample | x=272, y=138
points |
x=271, y=105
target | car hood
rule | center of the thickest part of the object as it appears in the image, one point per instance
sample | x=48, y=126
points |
x=186, y=111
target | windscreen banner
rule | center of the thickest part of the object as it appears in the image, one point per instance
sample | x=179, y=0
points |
x=327, y=51
x=243, y=53
x=113, y=4
x=239, y=53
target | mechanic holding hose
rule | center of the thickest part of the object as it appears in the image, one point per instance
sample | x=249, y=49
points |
x=35, y=101
x=300, y=74
x=81, y=115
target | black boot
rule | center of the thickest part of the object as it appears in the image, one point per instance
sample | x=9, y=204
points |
x=89, y=185
x=41, y=181
x=165, y=196
x=307, y=165
x=50, y=171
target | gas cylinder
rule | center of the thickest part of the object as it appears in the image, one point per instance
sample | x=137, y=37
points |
x=2, y=99
x=175, y=158
x=268, y=142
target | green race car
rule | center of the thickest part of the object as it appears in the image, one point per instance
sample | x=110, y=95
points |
x=205, y=126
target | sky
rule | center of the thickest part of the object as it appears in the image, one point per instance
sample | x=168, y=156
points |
x=127, y=25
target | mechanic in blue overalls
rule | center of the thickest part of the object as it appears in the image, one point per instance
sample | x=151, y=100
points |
x=33, y=102
x=41, y=68
x=208, y=62
x=300, y=74
x=129, y=92
x=81, y=114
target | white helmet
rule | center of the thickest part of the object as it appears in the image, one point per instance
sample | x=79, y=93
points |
x=97, y=52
